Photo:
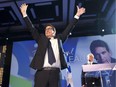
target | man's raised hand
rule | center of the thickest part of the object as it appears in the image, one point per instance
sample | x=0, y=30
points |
x=80, y=11
x=23, y=9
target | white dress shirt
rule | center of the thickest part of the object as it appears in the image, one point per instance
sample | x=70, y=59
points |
x=54, y=44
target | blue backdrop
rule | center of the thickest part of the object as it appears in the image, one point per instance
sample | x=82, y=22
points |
x=76, y=49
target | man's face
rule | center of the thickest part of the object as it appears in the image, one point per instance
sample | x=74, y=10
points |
x=102, y=55
x=90, y=58
x=49, y=32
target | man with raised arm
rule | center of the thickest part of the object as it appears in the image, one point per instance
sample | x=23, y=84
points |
x=49, y=63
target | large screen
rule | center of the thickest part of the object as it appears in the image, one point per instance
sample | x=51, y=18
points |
x=76, y=49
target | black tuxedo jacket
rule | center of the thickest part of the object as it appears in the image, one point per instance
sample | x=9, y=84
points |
x=42, y=41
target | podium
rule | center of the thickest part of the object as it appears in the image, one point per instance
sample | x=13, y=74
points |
x=104, y=71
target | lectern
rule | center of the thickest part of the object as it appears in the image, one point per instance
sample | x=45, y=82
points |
x=103, y=71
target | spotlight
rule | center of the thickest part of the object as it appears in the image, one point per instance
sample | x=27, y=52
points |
x=6, y=38
x=103, y=30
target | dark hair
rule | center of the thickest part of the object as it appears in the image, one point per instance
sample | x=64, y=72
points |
x=98, y=43
x=54, y=29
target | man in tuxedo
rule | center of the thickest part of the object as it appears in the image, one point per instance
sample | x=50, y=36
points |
x=90, y=79
x=48, y=68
